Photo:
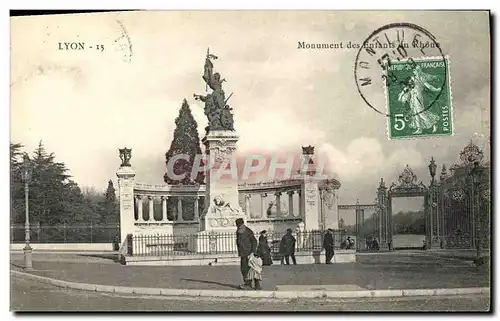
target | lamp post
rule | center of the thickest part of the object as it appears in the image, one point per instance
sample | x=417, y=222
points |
x=432, y=202
x=26, y=176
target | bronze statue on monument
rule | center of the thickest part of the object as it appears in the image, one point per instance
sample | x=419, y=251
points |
x=217, y=111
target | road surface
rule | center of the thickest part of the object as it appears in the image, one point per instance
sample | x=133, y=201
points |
x=30, y=295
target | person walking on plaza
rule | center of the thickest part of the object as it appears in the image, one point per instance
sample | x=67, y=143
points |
x=263, y=250
x=328, y=244
x=246, y=244
x=287, y=247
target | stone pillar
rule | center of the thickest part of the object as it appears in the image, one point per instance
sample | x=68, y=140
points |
x=151, y=209
x=383, y=206
x=300, y=235
x=301, y=205
x=322, y=208
x=311, y=201
x=179, y=210
x=140, y=217
x=164, y=214
x=263, y=205
x=278, y=203
x=196, y=208
x=330, y=205
x=126, y=177
x=247, y=205
x=221, y=182
x=290, y=203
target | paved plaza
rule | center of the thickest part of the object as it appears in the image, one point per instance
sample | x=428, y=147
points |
x=398, y=270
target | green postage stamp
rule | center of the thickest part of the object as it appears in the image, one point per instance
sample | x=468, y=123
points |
x=418, y=96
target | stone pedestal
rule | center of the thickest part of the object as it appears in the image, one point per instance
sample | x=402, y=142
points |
x=222, y=206
x=126, y=177
x=311, y=202
x=28, y=260
x=329, y=208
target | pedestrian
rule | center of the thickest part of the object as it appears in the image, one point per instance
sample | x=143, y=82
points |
x=375, y=245
x=328, y=245
x=246, y=244
x=287, y=247
x=255, y=271
x=263, y=250
x=349, y=243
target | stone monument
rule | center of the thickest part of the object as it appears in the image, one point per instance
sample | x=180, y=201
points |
x=310, y=191
x=126, y=177
x=221, y=200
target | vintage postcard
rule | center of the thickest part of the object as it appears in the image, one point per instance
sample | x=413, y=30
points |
x=250, y=161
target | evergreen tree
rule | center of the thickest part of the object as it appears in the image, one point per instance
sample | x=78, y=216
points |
x=16, y=184
x=47, y=188
x=110, y=205
x=54, y=199
x=185, y=141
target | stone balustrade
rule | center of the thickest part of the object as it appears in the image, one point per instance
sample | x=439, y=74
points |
x=167, y=208
x=167, y=203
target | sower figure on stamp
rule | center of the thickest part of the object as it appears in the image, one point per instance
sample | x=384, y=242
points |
x=413, y=94
x=328, y=244
x=247, y=244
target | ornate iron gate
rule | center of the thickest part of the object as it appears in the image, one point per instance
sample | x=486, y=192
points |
x=465, y=201
x=407, y=186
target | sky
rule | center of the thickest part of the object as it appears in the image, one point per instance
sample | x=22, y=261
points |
x=85, y=104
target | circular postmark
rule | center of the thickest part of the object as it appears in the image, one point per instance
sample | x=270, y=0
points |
x=123, y=43
x=401, y=66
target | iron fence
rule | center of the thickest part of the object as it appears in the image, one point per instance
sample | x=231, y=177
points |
x=66, y=234
x=169, y=245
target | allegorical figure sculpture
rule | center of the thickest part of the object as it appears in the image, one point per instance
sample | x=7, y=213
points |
x=221, y=205
x=413, y=95
x=216, y=109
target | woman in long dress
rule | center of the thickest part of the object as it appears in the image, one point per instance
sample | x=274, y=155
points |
x=413, y=94
x=263, y=250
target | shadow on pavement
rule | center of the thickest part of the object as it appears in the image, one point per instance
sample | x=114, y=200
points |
x=17, y=266
x=212, y=282
x=113, y=257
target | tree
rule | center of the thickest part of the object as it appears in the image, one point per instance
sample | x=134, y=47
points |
x=110, y=205
x=49, y=188
x=57, y=201
x=186, y=141
x=54, y=198
x=16, y=184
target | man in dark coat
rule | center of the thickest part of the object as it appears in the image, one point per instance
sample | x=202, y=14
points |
x=247, y=244
x=328, y=245
x=287, y=247
x=263, y=250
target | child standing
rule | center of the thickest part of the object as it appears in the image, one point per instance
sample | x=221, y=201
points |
x=255, y=270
